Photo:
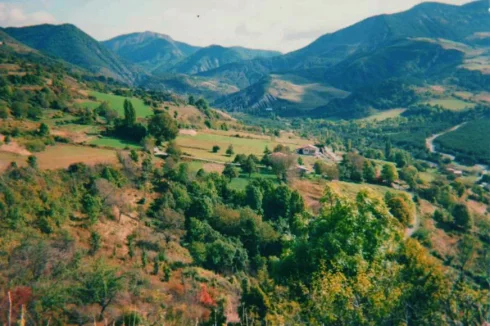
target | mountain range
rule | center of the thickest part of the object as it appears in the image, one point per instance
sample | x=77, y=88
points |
x=428, y=42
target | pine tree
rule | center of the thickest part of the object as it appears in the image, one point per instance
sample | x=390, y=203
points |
x=129, y=113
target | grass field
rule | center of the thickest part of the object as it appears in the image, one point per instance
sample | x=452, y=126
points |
x=452, y=104
x=117, y=103
x=62, y=156
x=241, y=182
x=114, y=143
x=383, y=115
x=201, y=145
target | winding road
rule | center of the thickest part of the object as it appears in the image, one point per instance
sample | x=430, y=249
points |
x=429, y=143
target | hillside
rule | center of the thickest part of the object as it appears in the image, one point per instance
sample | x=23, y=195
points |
x=72, y=45
x=284, y=94
x=215, y=56
x=407, y=58
x=429, y=20
x=152, y=51
x=385, y=95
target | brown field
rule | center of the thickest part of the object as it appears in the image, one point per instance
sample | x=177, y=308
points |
x=13, y=147
x=483, y=97
x=62, y=156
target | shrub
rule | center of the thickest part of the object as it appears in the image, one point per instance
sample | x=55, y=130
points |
x=35, y=145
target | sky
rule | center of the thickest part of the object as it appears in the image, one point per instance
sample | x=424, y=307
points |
x=282, y=25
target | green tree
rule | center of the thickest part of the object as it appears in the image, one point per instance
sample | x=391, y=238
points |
x=369, y=172
x=230, y=151
x=409, y=174
x=202, y=104
x=401, y=207
x=163, y=127
x=191, y=100
x=100, y=285
x=4, y=112
x=231, y=172
x=389, y=173
x=300, y=161
x=462, y=217
x=44, y=130
x=133, y=154
x=249, y=166
x=129, y=113
x=216, y=149
x=320, y=167
x=95, y=242
x=32, y=162
x=253, y=197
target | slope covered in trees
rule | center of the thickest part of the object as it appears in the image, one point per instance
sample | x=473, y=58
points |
x=72, y=45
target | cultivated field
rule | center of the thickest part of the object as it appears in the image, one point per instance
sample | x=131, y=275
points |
x=117, y=103
x=452, y=104
x=62, y=156
x=383, y=115
x=200, y=145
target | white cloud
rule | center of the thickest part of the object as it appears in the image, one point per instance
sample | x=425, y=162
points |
x=12, y=15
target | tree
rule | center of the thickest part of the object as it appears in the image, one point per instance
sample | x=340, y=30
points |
x=191, y=100
x=129, y=113
x=300, y=161
x=163, y=127
x=249, y=166
x=281, y=163
x=216, y=149
x=230, y=151
x=202, y=104
x=240, y=159
x=409, y=174
x=44, y=130
x=32, y=162
x=231, y=172
x=4, y=112
x=401, y=208
x=19, y=109
x=462, y=217
x=388, y=150
x=133, y=154
x=173, y=150
x=369, y=172
x=320, y=167
x=253, y=197
x=389, y=173
x=100, y=285
x=94, y=242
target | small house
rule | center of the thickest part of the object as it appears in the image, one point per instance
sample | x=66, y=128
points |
x=457, y=173
x=308, y=150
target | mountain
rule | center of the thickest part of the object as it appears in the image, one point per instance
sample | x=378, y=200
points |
x=427, y=20
x=215, y=56
x=72, y=45
x=150, y=50
x=407, y=58
x=285, y=94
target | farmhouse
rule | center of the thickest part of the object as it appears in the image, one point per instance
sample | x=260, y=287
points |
x=455, y=172
x=308, y=150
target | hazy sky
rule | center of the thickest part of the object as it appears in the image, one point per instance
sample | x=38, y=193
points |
x=283, y=25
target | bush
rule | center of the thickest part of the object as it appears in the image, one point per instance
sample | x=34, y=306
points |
x=35, y=145
x=423, y=236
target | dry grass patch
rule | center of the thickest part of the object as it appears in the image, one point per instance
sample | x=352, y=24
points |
x=62, y=156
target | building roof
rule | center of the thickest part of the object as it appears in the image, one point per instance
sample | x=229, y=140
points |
x=309, y=147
